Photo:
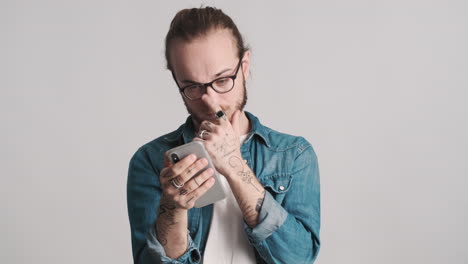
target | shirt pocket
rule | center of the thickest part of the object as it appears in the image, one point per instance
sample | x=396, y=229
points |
x=277, y=185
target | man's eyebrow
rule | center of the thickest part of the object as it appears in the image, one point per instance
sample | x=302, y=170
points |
x=189, y=81
x=216, y=76
x=221, y=72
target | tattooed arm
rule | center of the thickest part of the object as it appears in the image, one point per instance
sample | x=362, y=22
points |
x=171, y=229
x=222, y=142
x=171, y=223
x=224, y=148
x=248, y=191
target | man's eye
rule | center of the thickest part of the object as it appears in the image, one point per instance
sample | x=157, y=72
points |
x=194, y=87
x=222, y=81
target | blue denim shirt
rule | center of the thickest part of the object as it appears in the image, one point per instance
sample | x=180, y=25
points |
x=289, y=219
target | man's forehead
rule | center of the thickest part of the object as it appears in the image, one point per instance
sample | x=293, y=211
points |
x=204, y=56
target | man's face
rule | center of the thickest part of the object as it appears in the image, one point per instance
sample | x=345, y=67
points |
x=207, y=58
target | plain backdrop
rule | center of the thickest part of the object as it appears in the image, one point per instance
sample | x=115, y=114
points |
x=378, y=87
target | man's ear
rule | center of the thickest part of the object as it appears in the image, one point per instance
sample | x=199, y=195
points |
x=246, y=64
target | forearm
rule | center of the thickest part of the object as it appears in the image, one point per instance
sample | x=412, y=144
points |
x=248, y=191
x=171, y=229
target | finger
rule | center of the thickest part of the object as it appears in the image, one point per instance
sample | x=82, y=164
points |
x=176, y=182
x=179, y=167
x=196, y=181
x=197, y=193
x=166, y=173
x=167, y=161
x=203, y=134
x=192, y=170
x=220, y=115
x=206, y=125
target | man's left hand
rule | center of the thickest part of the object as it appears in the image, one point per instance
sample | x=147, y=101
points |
x=221, y=140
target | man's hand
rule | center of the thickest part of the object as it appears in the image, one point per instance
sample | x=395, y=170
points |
x=181, y=174
x=221, y=140
x=180, y=191
x=222, y=143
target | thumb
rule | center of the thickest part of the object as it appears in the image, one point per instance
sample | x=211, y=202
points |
x=167, y=162
x=235, y=121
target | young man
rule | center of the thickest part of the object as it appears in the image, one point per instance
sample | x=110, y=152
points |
x=272, y=210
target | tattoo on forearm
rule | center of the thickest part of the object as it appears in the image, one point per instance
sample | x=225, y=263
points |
x=245, y=173
x=251, y=218
x=250, y=214
x=260, y=202
x=165, y=221
x=166, y=207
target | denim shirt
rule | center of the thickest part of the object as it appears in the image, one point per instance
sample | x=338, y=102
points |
x=289, y=218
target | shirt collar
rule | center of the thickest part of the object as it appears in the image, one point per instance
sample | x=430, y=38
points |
x=257, y=129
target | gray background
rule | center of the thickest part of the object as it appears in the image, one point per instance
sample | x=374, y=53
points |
x=378, y=87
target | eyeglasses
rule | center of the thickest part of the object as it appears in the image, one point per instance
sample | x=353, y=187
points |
x=221, y=85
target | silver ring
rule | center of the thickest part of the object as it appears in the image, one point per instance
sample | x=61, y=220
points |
x=202, y=133
x=176, y=184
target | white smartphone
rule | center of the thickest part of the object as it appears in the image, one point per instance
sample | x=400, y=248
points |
x=216, y=192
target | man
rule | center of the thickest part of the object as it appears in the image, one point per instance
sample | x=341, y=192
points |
x=272, y=210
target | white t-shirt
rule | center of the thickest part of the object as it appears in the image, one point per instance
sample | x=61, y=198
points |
x=227, y=241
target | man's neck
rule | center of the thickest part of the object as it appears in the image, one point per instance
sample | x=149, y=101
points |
x=244, y=126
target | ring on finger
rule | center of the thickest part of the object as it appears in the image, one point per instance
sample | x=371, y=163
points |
x=220, y=114
x=202, y=133
x=176, y=184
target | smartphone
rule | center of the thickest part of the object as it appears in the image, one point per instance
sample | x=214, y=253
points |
x=216, y=192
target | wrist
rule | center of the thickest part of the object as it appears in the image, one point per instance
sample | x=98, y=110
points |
x=235, y=166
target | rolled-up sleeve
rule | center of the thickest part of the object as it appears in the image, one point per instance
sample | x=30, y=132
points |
x=271, y=217
x=154, y=252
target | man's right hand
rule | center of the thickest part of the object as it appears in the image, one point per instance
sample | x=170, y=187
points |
x=177, y=198
x=181, y=174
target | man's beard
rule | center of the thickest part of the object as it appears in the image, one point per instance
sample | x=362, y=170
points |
x=240, y=106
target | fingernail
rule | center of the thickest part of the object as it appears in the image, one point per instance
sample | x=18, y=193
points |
x=192, y=157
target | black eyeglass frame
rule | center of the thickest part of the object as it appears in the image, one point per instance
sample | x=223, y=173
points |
x=210, y=84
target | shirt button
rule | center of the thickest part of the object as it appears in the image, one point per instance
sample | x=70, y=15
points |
x=245, y=161
x=281, y=188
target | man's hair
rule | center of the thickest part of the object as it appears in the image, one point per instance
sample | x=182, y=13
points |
x=189, y=24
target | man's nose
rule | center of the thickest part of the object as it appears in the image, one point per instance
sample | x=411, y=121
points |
x=209, y=91
x=209, y=97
